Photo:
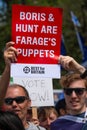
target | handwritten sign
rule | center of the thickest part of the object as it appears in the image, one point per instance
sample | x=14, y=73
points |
x=37, y=35
x=40, y=90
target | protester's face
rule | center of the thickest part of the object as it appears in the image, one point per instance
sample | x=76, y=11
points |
x=75, y=98
x=52, y=117
x=48, y=120
x=20, y=107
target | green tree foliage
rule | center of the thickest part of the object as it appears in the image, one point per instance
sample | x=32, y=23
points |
x=79, y=7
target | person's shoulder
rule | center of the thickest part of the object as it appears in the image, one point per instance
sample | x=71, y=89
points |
x=41, y=128
x=66, y=124
x=57, y=124
x=56, y=121
x=34, y=127
x=59, y=121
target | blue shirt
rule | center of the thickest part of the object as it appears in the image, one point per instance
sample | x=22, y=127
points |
x=64, y=123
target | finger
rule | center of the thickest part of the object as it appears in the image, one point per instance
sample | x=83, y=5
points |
x=12, y=49
x=60, y=59
x=10, y=55
x=8, y=44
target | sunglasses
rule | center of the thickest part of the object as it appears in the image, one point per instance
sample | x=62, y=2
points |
x=18, y=100
x=78, y=91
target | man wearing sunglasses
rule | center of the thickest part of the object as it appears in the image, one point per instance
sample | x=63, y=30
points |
x=18, y=101
x=75, y=92
x=5, y=77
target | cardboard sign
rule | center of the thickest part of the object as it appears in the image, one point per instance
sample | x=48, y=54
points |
x=40, y=90
x=37, y=35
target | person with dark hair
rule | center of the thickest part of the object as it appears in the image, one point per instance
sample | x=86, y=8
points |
x=61, y=107
x=10, y=121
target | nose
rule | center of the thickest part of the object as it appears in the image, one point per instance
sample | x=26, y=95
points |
x=14, y=103
x=48, y=122
x=73, y=94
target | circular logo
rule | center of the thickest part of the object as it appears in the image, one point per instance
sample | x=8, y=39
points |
x=26, y=69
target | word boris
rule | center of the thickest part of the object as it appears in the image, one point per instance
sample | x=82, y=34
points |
x=32, y=16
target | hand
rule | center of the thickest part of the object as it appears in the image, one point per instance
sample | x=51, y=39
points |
x=70, y=64
x=35, y=121
x=10, y=53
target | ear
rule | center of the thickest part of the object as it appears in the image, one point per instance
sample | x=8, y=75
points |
x=86, y=95
x=29, y=104
x=62, y=112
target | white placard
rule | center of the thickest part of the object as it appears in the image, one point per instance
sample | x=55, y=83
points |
x=40, y=90
x=35, y=71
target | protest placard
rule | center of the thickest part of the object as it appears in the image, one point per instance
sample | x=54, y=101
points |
x=36, y=32
x=40, y=90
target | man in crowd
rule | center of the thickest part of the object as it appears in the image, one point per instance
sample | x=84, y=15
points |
x=75, y=92
x=16, y=97
x=18, y=101
x=10, y=55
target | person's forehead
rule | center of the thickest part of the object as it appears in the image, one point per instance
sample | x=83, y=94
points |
x=15, y=90
x=77, y=83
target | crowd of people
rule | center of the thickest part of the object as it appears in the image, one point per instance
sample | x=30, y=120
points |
x=15, y=99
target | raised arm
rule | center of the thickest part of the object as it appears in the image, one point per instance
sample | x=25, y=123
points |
x=71, y=64
x=10, y=55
